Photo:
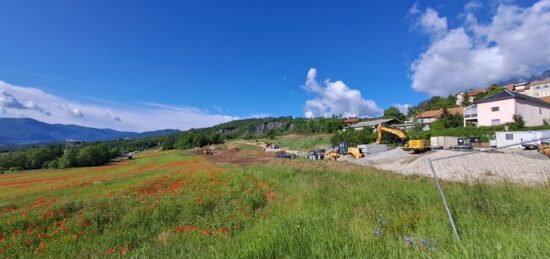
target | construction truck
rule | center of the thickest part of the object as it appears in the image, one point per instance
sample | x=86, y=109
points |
x=414, y=145
x=343, y=149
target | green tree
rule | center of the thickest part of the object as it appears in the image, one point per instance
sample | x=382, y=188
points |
x=447, y=120
x=216, y=138
x=200, y=140
x=394, y=113
x=93, y=155
x=518, y=123
x=493, y=89
x=68, y=159
x=435, y=103
x=167, y=144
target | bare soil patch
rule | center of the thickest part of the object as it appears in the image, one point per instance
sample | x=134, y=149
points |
x=241, y=157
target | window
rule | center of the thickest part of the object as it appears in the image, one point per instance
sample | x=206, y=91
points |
x=495, y=122
x=495, y=109
x=509, y=136
x=537, y=87
x=546, y=86
x=537, y=94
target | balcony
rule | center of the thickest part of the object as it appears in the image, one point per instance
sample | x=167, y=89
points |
x=470, y=112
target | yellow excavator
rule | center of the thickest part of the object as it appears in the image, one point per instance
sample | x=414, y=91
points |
x=415, y=145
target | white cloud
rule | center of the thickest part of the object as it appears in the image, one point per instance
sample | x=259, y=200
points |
x=8, y=101
x=433, y=24
x=18, y=101
x=73, y=111
x=114, y=117
x=403, y=108
x=260, y=115
x=472, y=5
x=414, y=9
x=336, y=99
x=514, y=44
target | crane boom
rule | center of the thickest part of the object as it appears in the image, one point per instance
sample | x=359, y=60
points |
x=415, y=145
x=381, y=129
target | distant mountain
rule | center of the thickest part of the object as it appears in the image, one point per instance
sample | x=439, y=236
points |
x=24, y=131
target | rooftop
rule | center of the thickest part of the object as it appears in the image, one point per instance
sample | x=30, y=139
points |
x=438, y=113
x=506, y=94
x=540, y=82
x=371, y=123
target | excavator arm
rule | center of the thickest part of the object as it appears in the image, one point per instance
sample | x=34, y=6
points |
x=381, y=129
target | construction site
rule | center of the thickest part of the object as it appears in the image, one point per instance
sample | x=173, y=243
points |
x=454, y=159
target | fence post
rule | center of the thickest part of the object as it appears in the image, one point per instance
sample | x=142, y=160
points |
x=455, y=231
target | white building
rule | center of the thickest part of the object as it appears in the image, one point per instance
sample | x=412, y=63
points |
x=539, y=88
x=511, y=138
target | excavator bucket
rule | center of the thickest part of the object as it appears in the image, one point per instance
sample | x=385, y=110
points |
x=355, y=152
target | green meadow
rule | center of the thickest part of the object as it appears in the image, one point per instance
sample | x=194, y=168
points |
x=169, y=204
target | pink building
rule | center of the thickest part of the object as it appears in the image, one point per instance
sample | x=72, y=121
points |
x=500, y=109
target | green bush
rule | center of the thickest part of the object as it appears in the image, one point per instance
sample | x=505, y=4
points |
x=354, y=137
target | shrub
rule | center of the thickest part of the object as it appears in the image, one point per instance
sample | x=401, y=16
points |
x=518, y=123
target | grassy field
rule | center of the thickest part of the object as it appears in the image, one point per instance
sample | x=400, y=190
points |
x=306, y=142
x=169, y=204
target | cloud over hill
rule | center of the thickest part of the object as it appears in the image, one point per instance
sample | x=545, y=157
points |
x=336, y=98
x=514, y=44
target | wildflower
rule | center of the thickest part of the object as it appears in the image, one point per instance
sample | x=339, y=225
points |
x=225, y=230
x=110, y=251
x=428, y=244
x=381, y=220
x=378, y=232
x=409, y=241
x=187, y=228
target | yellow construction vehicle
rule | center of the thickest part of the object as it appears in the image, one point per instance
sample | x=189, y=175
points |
x=332, y=155
x=343, y=149
x=355, y=152
x=544, y=148
x=335, y=154
x=415, y=145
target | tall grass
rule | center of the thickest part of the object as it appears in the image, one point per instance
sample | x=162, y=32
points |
x=278, y=210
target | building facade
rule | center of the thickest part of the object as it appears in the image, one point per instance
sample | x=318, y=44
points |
x=500, y=109
x=539, y=88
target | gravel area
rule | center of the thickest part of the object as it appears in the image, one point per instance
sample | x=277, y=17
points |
x=524, y=167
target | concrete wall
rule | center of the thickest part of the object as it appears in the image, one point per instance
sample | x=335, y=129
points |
x=533, y=114
x=507, y=109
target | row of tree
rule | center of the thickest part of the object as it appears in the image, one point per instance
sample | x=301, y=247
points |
x=61, y=156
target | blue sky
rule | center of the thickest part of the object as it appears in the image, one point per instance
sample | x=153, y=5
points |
x=224, y=58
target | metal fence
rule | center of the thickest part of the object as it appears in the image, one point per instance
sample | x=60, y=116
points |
x=505, y=163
